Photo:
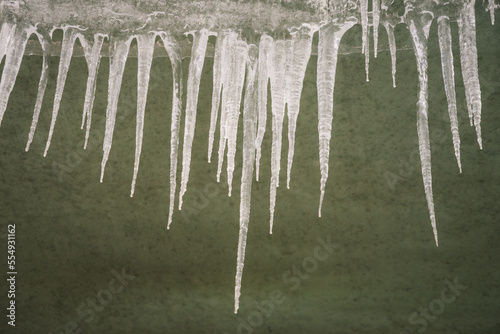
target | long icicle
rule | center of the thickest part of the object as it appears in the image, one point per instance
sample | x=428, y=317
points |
x=173, y=51
x=468, y=60
x=42, y=85
x=419, y=25
x=93, y=65
x=249, y=134
x=145, y=47
x=444, y=33
x=13, y=57
x=376, y=22
x=491, y=8
x=193, y=86
x=365, y=35
x=70, y=35
x=328, y=48
x=118, y=57
x=392, y=47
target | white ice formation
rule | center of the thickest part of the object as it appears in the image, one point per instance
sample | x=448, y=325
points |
x=245, y=69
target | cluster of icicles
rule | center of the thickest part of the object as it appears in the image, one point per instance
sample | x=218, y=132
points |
x=282, y=62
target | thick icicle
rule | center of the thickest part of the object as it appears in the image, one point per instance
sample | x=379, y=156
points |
x=365, y=34
x=280, y=57
x=265, y=47
x=491, y=8
x=42, y=85
x=193, y=86
x=93, y=65
x=173, y=51
x=220, y=62
x=118, y=58
x=70, y=34
x=301, y=51
x=419, y=25
x=16, y=37
x=231, y=103
x=145, y=47
x=392, y=47
x=249, y=134
x=444, y=33
x=468, y=60
x=6, y=32
x=328, y=48
x=376, y=21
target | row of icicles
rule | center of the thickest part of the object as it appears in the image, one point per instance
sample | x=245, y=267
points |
x=282, y=62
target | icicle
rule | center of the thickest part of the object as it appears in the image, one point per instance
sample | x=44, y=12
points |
x=118, y=57
x=468, y=60
x=93, y=65
x=301, y=51
x=42, y=85
x=145, y=47
x=265, y=47
x=220, y=61
x=491, y=8
x=328, y=48
x=193, y=85
x=444, y=33
x=173, y=51
x=392, y=47
x=16, y=37
x=249, y=134
x=365, y=35
x=231, y=103
x=278, y=60
x=376, y=21
x=419, y=25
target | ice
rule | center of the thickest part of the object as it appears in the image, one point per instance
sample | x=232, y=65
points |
x=419, y=25
x=392, y=47
x=491, y=8
x=265, y=47
x=13, y=39
x=376, y=22
x=468, y=60
x=93, y=61
x=328, y=48
x=249, y=134
x=444, y=33
x=173, y=51
x=42, y=85
x=118, y=56
x=365, y=34
x=70, y=34
x=198, y=50
x=145, y=47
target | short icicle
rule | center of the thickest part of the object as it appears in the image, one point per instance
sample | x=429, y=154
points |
x=249, y=134
x=376, y=22
x=419, y=25
x=444, y=33
x=198, y=51
x=145, y=47
x=392, y=47
x=365, y=35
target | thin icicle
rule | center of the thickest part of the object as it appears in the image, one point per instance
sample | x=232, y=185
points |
x=220, y=62
x=118, y=57
x=328, y=48
x=376, y=21
x=173, y=51
x=444, y=33
x=145, y=47
x=392, y=47
x=70, y=35
x=42, y=85
x=249, y=134
x=419, y=28
x=365, y=35
x=93, y=65
x=278, y=60
x=301, y=51
x=193, y=86
x=468, y=60
x=265, y=47
x=16, y=37
x=491, y=8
